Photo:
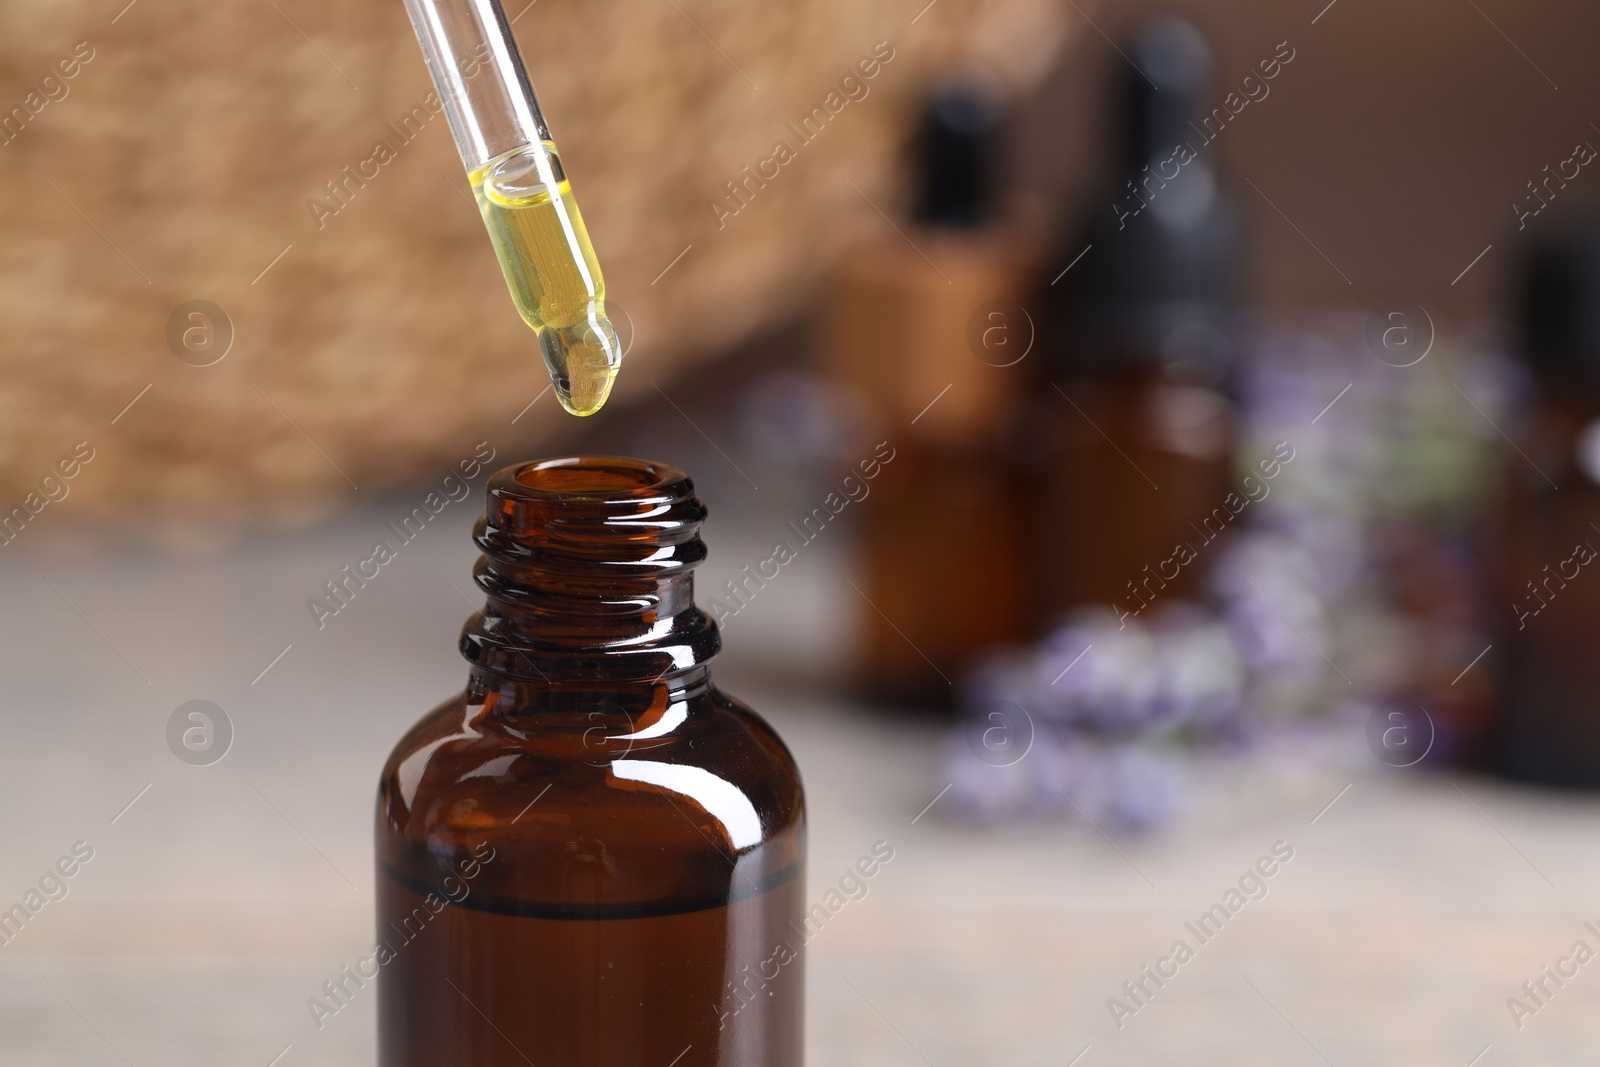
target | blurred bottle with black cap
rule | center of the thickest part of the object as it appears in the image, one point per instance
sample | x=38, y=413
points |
x=926, y=325
x=1550, y=698
x=1136, y=310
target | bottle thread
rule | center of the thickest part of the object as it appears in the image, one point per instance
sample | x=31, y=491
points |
x=588, y=570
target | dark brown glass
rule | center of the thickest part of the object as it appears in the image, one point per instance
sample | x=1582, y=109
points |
x=591, y=857
x=937, y=502
x=1128, y=483
x=1550, y=731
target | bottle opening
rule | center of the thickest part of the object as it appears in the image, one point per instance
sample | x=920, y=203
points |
x=595, y=477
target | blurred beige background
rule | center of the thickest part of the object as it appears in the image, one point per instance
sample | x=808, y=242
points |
x=182, y=159
x=179, y=164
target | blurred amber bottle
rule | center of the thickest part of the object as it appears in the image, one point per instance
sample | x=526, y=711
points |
x=1550, y=579
x=928, y=329
x=591, y=856
x=1135, y=348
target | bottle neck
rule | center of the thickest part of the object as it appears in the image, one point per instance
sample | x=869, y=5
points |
x=587, y=565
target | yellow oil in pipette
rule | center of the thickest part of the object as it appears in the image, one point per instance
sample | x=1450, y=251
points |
x=551, y=270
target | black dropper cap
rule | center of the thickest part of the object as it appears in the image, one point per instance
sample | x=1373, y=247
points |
x=1560, y=308
x=956, y=151
x=1157, y=285
x=1163, y=89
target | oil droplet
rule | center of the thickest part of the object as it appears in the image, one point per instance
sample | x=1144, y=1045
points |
x=583, y=362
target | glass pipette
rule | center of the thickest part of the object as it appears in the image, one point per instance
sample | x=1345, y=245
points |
x=522, y=192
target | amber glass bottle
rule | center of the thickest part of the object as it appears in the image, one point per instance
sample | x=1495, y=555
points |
x=934, y=353
x=1550, y=731
x=591, y=857
x=1135, y=349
